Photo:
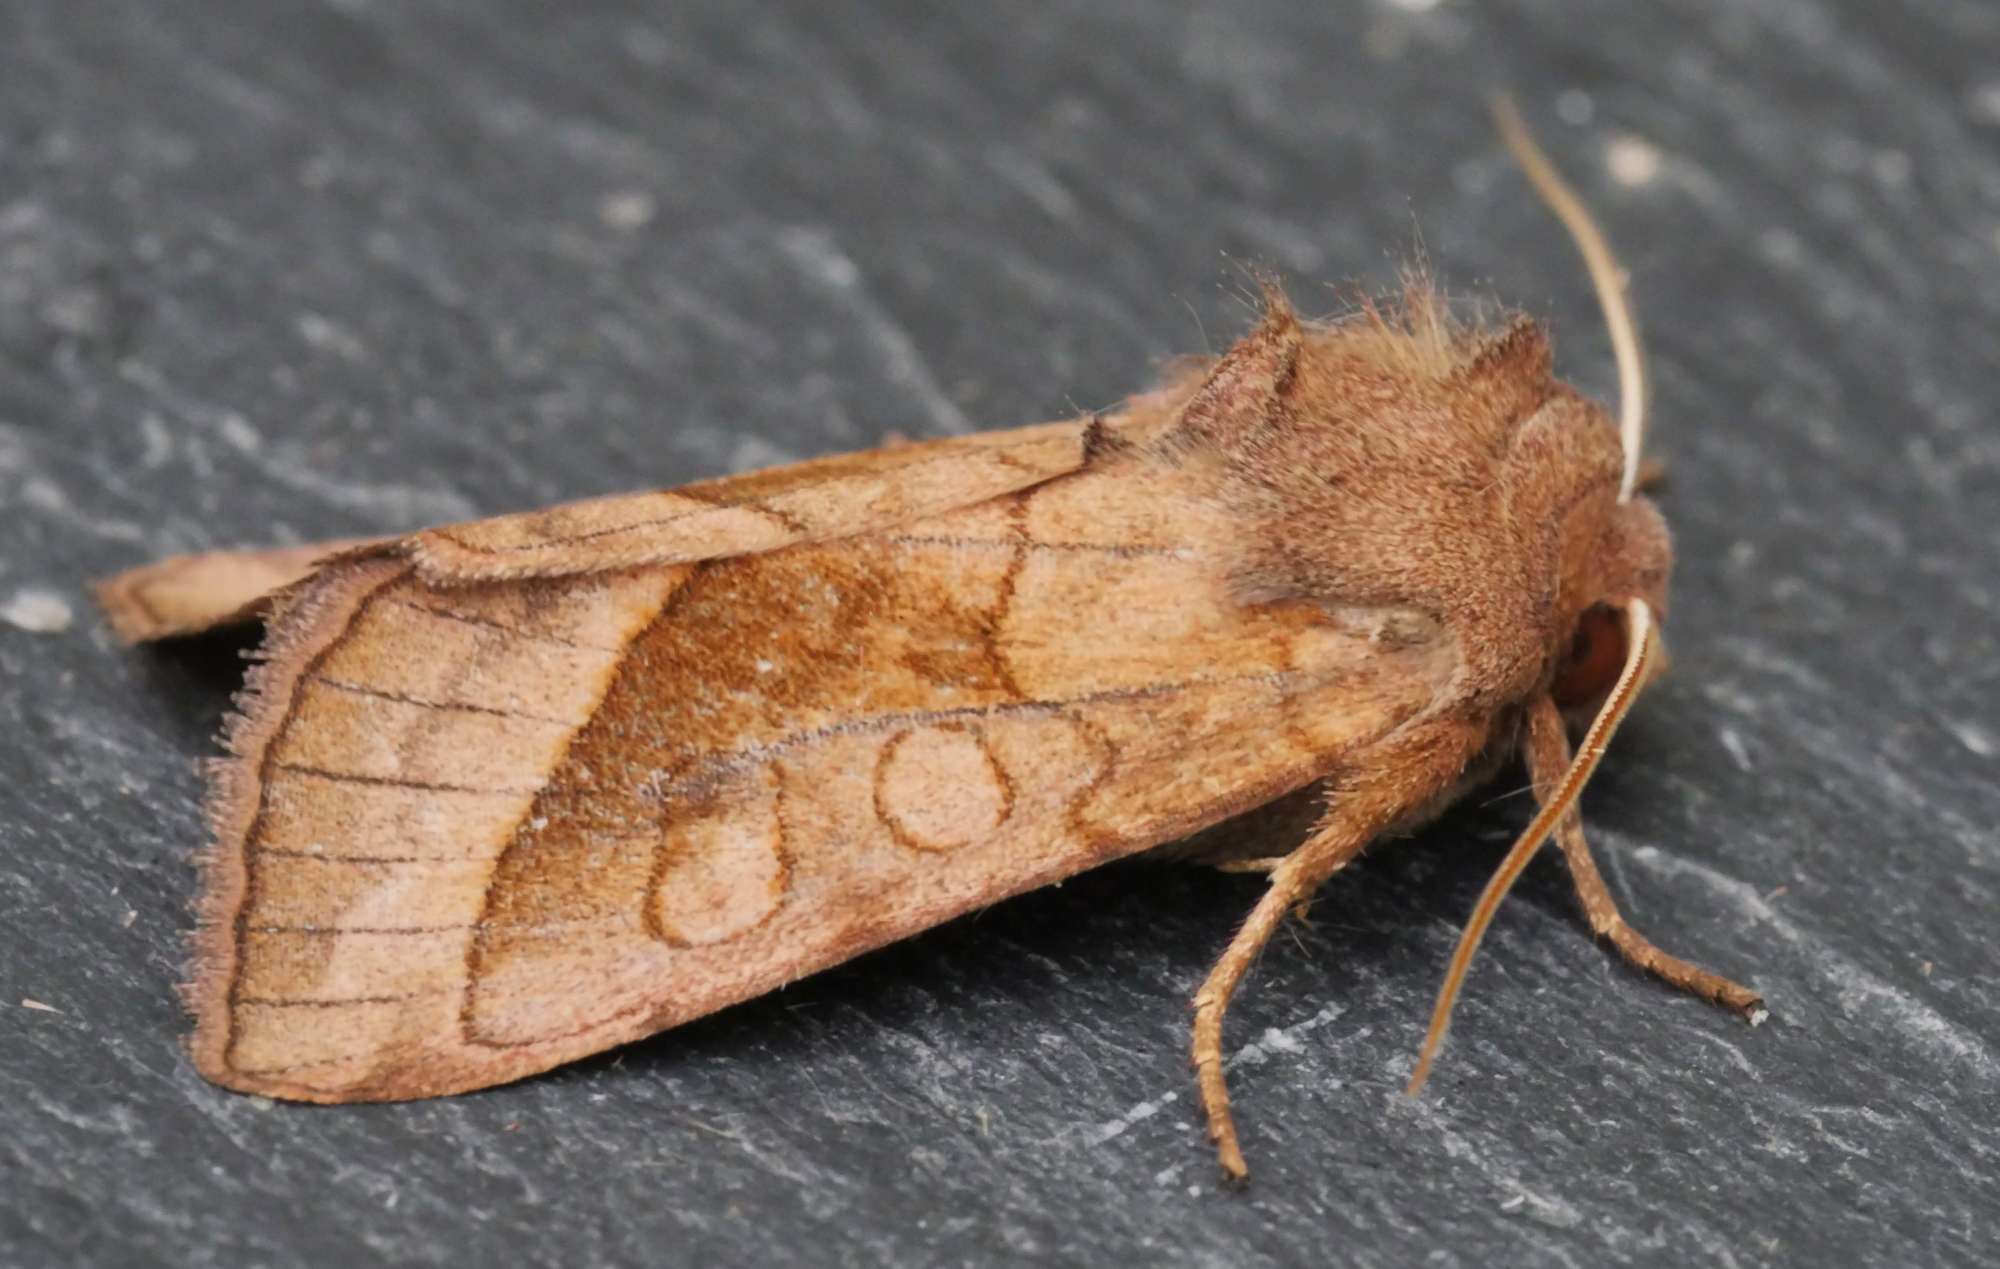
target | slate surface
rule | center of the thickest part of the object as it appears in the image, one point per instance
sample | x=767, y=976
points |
x=277, y=271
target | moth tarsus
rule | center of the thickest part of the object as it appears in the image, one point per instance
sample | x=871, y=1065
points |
x=509, y=792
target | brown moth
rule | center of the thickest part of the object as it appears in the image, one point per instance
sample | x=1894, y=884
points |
x=505, y=793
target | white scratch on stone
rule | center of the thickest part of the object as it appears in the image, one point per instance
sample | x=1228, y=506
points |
x=1038, y=183
x=1735, y=1052
x=38, y=612
x=819, y=257
x=322, y=333
x=44, y=495
x=1274, y=1040
x=1283, y=1039
x=285, y=465
x=1138, y=1114
x=1738, y=751
x=404, y=504
x=1549, y=1209
x=1973, y=736
x=159, y=441
x=1856, y=991
x=239, y=433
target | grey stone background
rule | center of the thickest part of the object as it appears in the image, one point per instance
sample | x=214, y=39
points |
x=277, y=271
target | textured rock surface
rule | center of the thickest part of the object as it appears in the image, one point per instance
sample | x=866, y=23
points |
x=281, y=271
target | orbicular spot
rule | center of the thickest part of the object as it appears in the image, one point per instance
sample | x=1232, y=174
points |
x=939, y=788
x=722, y=871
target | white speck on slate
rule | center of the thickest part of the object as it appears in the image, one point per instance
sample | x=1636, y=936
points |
x=28, y=1002
x=1632, y=161
x=628, y=211
x=38, y=612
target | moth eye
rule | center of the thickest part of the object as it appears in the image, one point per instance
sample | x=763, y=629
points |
x=1595, y=658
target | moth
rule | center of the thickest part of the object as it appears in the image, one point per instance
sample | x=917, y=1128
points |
x=505, y=793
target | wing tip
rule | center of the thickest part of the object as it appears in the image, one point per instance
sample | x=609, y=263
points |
x=191, y=594
x=133, y=618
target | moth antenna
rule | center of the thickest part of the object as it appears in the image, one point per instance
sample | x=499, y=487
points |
x=1605, y=276
x=1643, y=650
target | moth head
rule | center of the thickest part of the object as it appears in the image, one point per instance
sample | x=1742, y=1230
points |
x=1633, y=559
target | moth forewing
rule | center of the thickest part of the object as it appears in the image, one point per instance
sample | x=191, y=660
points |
x=475, y=829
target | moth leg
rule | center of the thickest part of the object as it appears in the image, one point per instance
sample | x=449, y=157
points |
x=1346, y=832
x=1410, y=774
x=1548, y=754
